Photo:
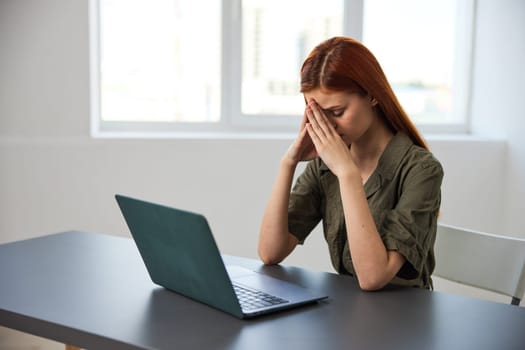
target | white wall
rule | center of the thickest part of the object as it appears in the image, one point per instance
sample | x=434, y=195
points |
x=54, y=177
x=498, y=96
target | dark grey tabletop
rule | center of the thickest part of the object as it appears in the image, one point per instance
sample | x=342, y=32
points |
x=93, y=291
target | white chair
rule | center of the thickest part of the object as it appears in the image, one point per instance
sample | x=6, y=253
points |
x=482, y=260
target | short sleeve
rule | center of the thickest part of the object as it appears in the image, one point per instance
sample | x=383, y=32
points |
x=410, y=228
x=305, y=201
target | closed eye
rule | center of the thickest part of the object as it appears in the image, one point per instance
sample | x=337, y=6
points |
x=337, y=113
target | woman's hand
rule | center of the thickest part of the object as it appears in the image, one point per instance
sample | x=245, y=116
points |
x=303, y=148
x=328, y=143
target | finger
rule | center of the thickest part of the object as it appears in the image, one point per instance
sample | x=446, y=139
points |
x=313, y=136
x=314, y=123
x=303, y=134
x=322, y=119
x=307, y=145
x=296, y=150
x=304, y=140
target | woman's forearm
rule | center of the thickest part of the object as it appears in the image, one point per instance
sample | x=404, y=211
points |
x=373, y=264
x=275, y=242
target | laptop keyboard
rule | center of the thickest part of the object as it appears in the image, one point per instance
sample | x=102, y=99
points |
x=252, y=299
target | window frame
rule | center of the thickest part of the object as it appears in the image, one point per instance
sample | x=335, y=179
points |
x=233, y=123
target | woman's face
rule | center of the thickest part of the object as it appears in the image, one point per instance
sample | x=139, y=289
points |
x=350, y=113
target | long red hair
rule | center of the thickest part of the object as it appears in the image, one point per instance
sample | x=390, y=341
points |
x=344, y=64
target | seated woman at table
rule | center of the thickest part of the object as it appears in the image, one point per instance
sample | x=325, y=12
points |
x=370, y=178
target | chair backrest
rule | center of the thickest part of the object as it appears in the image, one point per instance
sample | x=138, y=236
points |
x=482, y=260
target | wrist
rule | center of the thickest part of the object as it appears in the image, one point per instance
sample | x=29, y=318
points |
x=351, y=177
x=289, y=163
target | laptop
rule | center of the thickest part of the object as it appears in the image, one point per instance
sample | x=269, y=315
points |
x=180, y=254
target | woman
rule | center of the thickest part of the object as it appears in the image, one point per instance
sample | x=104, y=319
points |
x=370, y=178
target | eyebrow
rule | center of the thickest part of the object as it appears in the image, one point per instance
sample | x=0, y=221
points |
x=333, y=108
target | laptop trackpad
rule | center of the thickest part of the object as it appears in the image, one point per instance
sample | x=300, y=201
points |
x=270, y=285
x=237, y=271
x=258, y=281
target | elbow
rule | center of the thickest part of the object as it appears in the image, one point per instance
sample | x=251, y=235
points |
x=268, y=259
x=376, y=277
x=370, y=287
x=371, y=284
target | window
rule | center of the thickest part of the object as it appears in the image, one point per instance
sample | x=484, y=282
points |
x=157, y=63
x=425, y=55
x=173, y=66
x=272, y=57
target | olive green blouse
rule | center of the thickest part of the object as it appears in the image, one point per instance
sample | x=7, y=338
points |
x=404, y=195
